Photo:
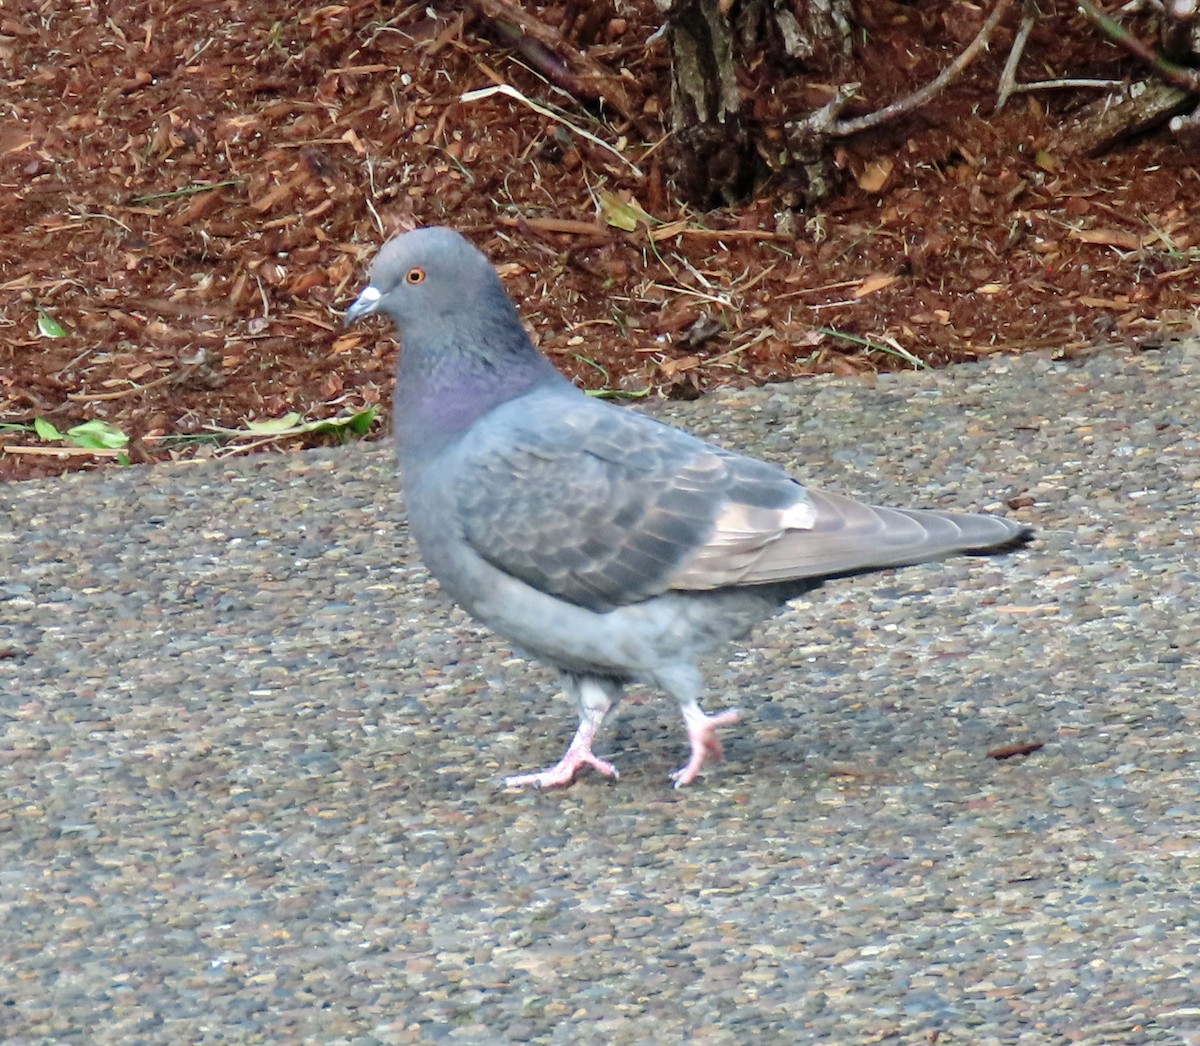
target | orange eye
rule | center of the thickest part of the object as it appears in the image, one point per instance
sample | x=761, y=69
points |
x=414, y=276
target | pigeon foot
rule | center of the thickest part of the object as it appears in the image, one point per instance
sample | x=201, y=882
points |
x=595, y=699
x=702, y=734
x=563, y=772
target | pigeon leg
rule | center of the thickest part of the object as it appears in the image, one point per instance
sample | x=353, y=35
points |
x=595, y=699
x=702, y=735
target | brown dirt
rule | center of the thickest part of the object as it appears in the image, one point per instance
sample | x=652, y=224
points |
x=324, y=128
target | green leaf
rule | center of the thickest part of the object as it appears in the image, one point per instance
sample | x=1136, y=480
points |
x=47, y=431
x=355, y=424
x=292, y=425
x=360, y=424
x=97, y=435
x=622, y=214
x=48, y=326
x=274, y=426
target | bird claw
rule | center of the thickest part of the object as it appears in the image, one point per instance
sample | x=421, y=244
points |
x=563, y=772
x=702, y=734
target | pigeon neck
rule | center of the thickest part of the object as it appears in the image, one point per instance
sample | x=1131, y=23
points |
x=445, y=385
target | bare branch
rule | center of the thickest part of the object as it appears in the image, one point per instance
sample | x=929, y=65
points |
x=559, y=61
x=1177, y=75
x=1008, y=78
x=1068, y=83
x=1103, y=123
x=915, y=100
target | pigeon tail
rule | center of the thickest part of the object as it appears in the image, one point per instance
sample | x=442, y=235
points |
x=905, y=537
x=1019, y=540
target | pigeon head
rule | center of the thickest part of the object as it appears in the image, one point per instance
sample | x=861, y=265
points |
x=464, y=351
x=427, y=277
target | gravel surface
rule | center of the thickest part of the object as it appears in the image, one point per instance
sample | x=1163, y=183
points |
x=251, y=762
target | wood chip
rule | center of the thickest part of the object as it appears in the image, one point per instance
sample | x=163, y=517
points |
x=874, y=283
x=1109, y=238
x=1020, y=748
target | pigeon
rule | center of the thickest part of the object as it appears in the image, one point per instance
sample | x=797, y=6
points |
x=602, y=542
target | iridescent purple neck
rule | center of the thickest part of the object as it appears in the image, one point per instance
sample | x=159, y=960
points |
x=441, y=393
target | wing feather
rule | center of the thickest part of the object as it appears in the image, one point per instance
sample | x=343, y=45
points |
x=605, y=507
x=595, y=505
x=830, y=535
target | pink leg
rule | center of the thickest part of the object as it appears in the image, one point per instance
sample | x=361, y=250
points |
x=594, y=702
x=702, y=735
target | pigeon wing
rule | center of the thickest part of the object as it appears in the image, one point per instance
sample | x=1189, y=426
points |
x=604, y=507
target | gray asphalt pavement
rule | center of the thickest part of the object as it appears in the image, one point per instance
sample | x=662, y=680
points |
x=251, y=761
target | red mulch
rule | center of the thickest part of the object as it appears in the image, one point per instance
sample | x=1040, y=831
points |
x=193, y=189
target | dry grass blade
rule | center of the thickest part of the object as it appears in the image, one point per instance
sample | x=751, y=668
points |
x=542, y=110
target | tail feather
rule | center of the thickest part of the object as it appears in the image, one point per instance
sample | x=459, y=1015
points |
x=848, y=537
x=852, y=537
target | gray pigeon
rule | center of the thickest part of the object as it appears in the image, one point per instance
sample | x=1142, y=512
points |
x=605, y=543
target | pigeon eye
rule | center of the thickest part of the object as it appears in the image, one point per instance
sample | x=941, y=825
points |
x=414, y=276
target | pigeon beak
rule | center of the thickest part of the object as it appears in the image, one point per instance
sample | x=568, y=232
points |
x=364, y=305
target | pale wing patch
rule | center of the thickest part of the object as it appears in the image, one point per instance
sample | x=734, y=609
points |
x=738, y=524
x=741, y=533
x=800, y=516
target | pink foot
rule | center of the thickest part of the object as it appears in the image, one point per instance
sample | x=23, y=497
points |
x=702, y=734
x=595, y=698
x=563, y=772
